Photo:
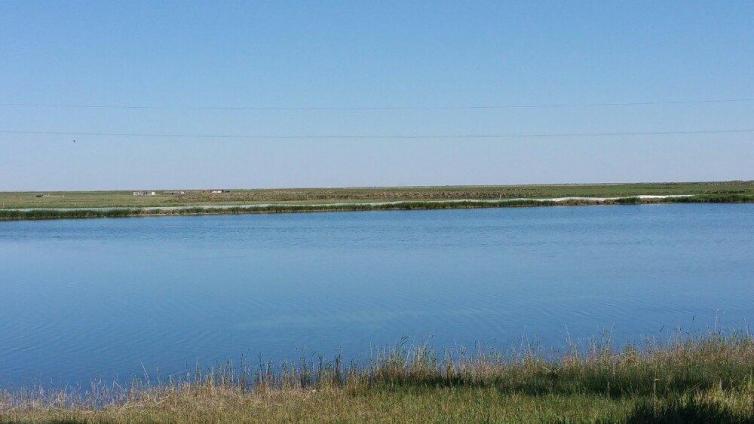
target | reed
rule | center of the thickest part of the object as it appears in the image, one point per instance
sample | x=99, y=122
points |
x=709, y=379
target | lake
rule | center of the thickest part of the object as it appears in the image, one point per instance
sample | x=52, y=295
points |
x=110, y=298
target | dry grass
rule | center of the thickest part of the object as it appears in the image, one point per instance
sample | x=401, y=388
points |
x=705, y=380
x=97, y=199
x=41, y=214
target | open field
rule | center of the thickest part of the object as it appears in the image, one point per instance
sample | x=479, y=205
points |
x=107, y=199
x=703, y=380
x=51, y=205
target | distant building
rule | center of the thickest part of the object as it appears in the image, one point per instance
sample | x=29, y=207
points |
x=144, y=193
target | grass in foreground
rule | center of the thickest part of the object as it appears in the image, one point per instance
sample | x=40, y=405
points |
x=706, y=380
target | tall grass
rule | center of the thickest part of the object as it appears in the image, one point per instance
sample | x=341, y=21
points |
x=699, y=380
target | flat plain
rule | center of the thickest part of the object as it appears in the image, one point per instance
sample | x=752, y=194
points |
x=302, y=196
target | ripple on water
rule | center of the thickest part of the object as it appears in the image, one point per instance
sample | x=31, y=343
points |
x=103, y=298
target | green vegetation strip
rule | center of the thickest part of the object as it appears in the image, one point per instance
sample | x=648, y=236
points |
x=39, y=214
x=185, y=197
x=693, y=381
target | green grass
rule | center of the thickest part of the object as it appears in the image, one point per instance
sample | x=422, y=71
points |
x=703, y=380
x=56, y=205
x=97, y=199
x=41, y=214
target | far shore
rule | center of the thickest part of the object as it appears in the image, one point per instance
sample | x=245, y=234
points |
x=272, y=208
x=113, y=204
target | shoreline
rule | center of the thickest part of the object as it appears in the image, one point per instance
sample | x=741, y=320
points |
x=31, y=214
x=707, y=379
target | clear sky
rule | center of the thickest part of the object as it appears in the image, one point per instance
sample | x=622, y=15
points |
x=359, y=69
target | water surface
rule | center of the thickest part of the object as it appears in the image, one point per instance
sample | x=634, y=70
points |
x=110, y=298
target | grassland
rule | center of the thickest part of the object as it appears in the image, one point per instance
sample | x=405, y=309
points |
x=126, y=199
x=693, y=381
x=52, y=205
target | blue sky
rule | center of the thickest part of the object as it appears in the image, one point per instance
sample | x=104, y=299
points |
x=431, y=60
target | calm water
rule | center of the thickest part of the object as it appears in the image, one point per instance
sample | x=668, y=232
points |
x=85, y=299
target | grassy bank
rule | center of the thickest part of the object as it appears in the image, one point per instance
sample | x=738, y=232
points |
x=185, y=197
x=40, y=214
x=706, y=380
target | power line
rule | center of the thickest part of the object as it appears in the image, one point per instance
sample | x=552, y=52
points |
x=378, y=108
x=378, y=136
